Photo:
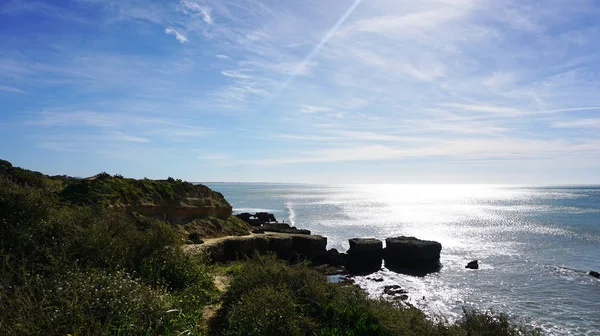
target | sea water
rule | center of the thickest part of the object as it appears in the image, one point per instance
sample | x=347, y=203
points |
x=535, y=245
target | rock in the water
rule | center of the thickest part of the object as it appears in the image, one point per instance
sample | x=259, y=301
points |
x=595, y=274
x=334, y=257
x=365, y=246
x=411, y=252
x=473, y=264
x=258, y=218
x=364, y=255
x=265, y=217
x=393, y=290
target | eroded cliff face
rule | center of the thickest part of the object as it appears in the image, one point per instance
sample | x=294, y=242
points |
x=173, y=200
x=201, y=202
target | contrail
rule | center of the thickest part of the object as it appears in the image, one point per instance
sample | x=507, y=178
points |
x=316, y=49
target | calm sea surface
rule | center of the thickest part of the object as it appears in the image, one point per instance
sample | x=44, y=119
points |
x=535, y=245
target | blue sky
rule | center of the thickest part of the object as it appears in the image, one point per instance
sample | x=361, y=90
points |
x=341, y=91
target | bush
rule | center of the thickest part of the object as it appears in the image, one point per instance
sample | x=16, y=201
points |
x=265, y=311
x=91, y=270
x=88, y=302
x=492, y=324
x=267, y=296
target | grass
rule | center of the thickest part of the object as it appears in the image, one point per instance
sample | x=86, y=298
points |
x=214, y=227
x=116, y=190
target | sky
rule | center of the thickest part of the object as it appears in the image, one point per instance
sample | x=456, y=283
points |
x=311, y=91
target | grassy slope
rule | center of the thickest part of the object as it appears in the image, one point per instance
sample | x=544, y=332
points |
x=116, y=190
x=106, y=190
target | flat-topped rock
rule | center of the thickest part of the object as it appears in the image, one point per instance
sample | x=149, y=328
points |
x=287, y=246
x=364, y=255
x=309, y=244
x=365, y=246
x=412, y=252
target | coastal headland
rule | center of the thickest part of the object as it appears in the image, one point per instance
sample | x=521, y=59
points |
x=110, y=255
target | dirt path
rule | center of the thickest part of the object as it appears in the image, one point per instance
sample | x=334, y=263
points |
x=221, y=282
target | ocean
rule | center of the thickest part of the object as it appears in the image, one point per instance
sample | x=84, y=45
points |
x=535, y=245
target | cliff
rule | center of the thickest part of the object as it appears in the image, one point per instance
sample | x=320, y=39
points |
x=173, y=200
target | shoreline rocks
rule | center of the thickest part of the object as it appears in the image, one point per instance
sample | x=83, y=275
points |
x=262, y=222
x=408, y=255
x=595, y=274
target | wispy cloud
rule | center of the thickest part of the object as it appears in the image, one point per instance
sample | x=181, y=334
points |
x=179, y=36
x=314, y=109
x=583, y=123
x=307, y=83
x=5, y=88
x=197, y=8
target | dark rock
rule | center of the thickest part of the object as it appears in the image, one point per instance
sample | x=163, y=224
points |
x=365, y=246
x=282, y=246
x=473, y=264
x=236, y=248
x=393, y=290
x=282, y=228
x=412, y=253
x=275, y=226
x=257, y=219
x=377, y=279
x=403, y=297
x=309, y=245
x=265, y=217
x=333, y=257
x=364, y=255
x=594, y=274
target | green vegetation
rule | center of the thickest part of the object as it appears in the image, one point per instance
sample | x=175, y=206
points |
x=82, y=269
x=214, y=227
x=105, y=189
x=92, y=271
x=268, y=297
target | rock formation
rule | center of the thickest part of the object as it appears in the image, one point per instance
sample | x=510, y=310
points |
x=473, y=264
x=594, y=274
x=412, y=253
x=258, y=218
x=265, y=222
x=364, y=255
x=286, y=246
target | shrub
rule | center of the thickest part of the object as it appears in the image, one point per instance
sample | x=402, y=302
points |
x=267, y=296
x=88, y=302
x=492, y=324
x=265, y=311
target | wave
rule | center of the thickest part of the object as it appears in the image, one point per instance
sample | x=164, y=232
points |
x=291, y=213
x=253, y=210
